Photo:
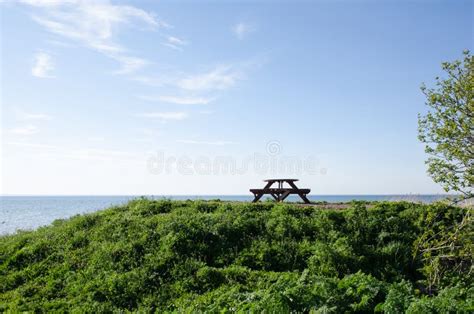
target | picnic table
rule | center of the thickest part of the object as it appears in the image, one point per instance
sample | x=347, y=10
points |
x=280, y=192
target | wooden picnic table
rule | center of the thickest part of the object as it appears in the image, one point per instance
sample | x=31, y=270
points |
x=280, y=193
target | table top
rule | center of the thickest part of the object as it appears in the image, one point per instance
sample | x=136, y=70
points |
x=276, y=180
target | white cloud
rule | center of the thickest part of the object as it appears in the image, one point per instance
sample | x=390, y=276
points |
x=152, y=81
x=147, y=135
x=100, y=154
x=150, y=132
x=43, y=65
x=216, y=78
x=242, y=29
x=173, y=46
x=67, y=153
x=35, y=116
x=206, y=112
x=217, y=143
x=222, y=77
x=47, y=3
x=95, y=24
x=164, y=115
x=96, y=139
x=32, y=145
x=26, y=130
x=179, y=100
x=59, y=43
x=129, y=64
x=175, y=43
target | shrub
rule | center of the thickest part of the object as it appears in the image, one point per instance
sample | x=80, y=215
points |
x=210, y=256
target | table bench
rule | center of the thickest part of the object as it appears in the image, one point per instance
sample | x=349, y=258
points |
x=280, y=193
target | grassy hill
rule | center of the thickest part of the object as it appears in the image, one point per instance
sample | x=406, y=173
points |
x=217, y=256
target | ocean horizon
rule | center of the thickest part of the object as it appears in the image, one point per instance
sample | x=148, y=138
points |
x=28, y=212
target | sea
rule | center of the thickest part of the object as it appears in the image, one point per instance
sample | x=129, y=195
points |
x=31, y=212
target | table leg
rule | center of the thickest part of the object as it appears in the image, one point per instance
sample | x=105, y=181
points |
x=276, y=197
x=303, y=196
x=257, y=197
x=284, y=195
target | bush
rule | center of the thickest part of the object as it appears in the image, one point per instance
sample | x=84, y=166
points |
x=213, y=256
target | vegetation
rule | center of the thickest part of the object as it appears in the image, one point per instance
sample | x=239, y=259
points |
x=172, y=256
x=448, y=132
x=448, y=127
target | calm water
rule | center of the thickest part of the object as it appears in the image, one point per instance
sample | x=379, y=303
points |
x=30, y=212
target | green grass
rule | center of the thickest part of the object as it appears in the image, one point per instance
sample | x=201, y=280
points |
x=186, y=256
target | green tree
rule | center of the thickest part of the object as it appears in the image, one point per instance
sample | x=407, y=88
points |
x=447, y=130
x=448, y=127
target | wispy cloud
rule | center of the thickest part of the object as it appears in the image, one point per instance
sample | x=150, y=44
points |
x=220, y=78
x=206, y=112
x=43, y=65
x=179, y=100
x=59, y=43
x=129, y=64
x=178, y=115
x=151, y=81
x=95, y=24
x=149, y=132
x=48, y=3
x=217, y=143
x=25, y=130
x=96, y=139
x=101, y=154
x=32, y=145
x=68, y=153
x=147, y=135
x=35, y=116
x=242, y=29
x=175, y=43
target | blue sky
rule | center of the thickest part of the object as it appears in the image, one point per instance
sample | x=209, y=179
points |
x=147, y=97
